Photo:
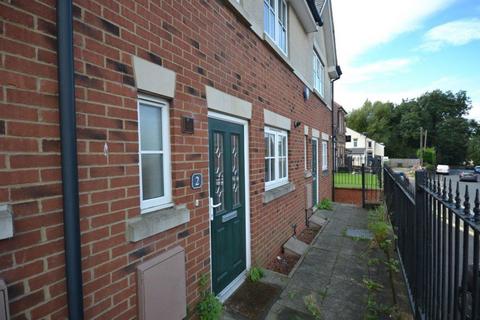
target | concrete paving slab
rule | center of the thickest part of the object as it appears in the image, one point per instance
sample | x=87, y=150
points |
x=330, y=243
x=333, y=270
x=310, y=280
x=275, y=278
x=343, y=309
x=359, y=234
x=285, y=313
x=293, y=297
x=295, y=246
x=356, y=247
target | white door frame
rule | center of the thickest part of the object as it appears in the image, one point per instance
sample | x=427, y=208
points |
x=318, y=174
x=229, y=289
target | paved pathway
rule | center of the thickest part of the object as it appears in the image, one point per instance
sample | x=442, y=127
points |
x=333, y=272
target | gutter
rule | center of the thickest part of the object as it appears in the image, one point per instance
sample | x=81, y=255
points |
x=68, y=136
x=315, y=13
x=334, y=133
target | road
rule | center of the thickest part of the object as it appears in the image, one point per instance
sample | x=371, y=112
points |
x=472, y=187
x=454, y=177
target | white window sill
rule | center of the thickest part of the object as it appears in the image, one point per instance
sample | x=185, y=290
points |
x=156, y=208
x=277, y=50
x=239, y=8
x=276, y=184
x=272, y=194
x=307, y=173
x=152, y=223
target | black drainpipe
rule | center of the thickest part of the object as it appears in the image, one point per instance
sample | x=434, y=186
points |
x=334, y=133
x=66, y=99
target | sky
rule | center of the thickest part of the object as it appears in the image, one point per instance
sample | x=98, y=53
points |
x=391, y=50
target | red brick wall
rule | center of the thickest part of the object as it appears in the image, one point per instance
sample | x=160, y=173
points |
x=205, y=44
x=350, y=196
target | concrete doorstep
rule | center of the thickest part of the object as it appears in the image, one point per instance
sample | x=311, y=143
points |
x=295, y=246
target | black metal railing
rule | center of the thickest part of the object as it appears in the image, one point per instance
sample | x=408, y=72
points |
x=438, y=242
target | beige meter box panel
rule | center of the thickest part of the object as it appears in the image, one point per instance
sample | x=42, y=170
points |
x=161, y=286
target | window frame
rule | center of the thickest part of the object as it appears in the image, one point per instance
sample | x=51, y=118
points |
x=355, y=142
x=164, y=201
x=277, y=182
x=324, y=155
x=318, y=79
x=278, y=25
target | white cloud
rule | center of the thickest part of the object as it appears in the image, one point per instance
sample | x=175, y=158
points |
x=362, y=25
x=373, y=70
x=454, y=33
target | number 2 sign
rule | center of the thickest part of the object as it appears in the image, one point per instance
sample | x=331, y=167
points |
x=197, y=180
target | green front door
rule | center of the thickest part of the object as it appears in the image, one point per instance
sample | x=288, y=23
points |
x=314, y=171
x=227, y=202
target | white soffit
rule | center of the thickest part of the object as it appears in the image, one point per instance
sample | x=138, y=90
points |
x=304, y=15
x=275, y=120
x=151, y=77
x=228, y=104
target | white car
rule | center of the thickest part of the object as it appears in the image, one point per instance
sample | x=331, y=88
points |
x=443, y=169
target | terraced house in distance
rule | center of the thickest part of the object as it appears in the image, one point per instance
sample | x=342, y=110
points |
x=145, y=145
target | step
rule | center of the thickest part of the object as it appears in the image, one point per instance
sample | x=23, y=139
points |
x=317, y=220
x=295, y=246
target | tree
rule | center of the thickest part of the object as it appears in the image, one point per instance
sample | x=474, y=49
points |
x=429, y=156
x=473, y=150
x=441, y=114
x=452, y=138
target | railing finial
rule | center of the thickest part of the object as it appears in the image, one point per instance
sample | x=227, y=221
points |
x=457, y=196
x=450, y=195
x=466, y=202
x=476, y=208
x=444, y=189
x=439, y=187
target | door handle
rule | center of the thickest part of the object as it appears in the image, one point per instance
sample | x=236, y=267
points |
x=211, y=207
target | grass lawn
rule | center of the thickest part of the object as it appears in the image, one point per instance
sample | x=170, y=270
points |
x=354, y=181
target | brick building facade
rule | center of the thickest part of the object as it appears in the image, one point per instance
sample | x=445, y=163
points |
x=193, y=60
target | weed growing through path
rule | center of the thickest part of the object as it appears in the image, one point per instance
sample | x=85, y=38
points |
x=209, y=307
x=312, y=306
x=372, y=285
x=325, y=204
x=255, y=274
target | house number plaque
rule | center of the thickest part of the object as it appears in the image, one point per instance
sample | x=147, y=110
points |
x=197, y=180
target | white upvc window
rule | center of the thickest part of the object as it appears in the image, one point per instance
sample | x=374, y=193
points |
x=324, y=155
x=355, y=142
x=275, y=22
x=276, y=158
x=318, y=73
x=154, y=154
